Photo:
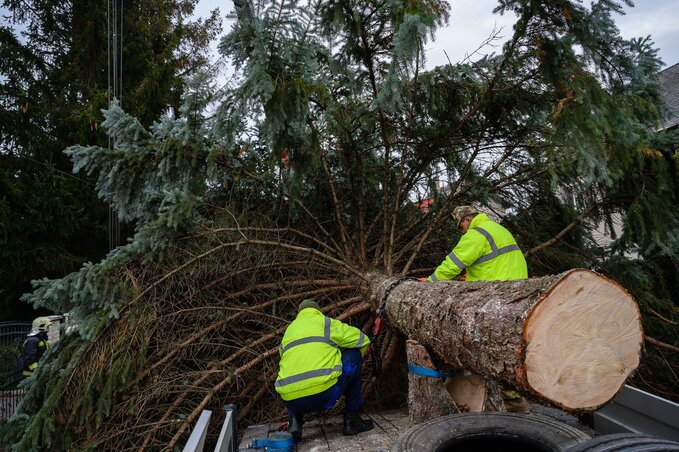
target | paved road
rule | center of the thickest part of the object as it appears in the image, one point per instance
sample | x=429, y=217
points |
x=325, y=434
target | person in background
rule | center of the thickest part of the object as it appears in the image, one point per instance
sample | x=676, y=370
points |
x=35, y=345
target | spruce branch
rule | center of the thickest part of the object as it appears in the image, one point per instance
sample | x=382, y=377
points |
x=344, y=236
x=665, y=319
x=563, y=232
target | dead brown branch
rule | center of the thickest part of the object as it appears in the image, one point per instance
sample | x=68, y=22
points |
x=665, y=319
x=561, y=233
x=661, y=344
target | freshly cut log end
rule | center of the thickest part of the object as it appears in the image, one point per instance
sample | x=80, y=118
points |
x=582, y=341
x=570, y=339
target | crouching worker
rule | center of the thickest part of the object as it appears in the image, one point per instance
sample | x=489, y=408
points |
x=321, y=359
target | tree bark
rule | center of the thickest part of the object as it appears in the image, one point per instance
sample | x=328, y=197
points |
x=570, y=339
x=428, y=398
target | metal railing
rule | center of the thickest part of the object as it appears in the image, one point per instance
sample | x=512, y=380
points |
x=227, y=435
x=12, y=336
x=637, y=411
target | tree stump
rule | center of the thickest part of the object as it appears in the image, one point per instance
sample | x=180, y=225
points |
x=571, y=339
x=427, y=396
x=463, y=392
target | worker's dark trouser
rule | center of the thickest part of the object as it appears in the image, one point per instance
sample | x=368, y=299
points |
x=349, y=384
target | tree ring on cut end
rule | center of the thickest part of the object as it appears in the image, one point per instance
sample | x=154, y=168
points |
x=583, y=339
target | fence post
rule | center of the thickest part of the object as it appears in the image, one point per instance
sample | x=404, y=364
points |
x=228, y=436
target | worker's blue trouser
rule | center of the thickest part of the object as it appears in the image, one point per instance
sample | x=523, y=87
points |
x=349, y=384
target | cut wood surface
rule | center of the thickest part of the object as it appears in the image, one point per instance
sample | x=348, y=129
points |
x=468, y=392
x=571, y=339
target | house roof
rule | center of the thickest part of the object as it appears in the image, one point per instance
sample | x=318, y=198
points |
x=669, y=80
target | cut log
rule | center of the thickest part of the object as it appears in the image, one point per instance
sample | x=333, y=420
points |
x=571, y=339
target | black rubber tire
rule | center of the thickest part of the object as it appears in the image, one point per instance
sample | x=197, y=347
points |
x=627, y=442
x=475, y=432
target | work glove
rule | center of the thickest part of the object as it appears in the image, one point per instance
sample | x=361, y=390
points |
x=422, y=279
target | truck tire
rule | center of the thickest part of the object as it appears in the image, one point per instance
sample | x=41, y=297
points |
x=474, y=432
x=625, y=442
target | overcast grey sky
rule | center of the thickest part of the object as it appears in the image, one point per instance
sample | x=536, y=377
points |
x=472, y=21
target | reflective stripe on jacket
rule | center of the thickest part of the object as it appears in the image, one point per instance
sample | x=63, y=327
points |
x=311, y=355
x=487, y=251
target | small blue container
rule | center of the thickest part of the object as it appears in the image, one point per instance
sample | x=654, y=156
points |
x=276, y=442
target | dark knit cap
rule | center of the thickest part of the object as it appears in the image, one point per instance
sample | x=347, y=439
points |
x=308, y=303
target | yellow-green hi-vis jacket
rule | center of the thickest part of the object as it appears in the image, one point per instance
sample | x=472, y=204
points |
x=311, y=355
x=487, y=251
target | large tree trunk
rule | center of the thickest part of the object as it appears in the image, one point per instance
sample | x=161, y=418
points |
x=570, y=339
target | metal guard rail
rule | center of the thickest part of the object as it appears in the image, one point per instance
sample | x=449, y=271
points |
x=227, y=436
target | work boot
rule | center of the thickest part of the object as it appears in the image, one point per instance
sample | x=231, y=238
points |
x=515, y=402
x=295, y=426
x=353, y=424
x=517, y=405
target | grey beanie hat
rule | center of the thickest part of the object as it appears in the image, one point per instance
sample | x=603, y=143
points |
x=308, y=303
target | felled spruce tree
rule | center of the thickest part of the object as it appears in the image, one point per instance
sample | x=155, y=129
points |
x=154, y=178
x=302, y=181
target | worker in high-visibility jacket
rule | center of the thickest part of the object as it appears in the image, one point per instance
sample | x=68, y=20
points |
x=487, y=251
x=321, y=359
x=35, y=345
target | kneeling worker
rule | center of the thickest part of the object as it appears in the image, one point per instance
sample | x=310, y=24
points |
x=321, y=359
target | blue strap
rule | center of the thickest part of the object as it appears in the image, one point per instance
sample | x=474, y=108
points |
x=424, y=371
